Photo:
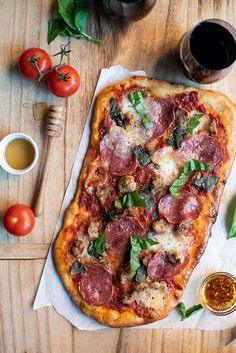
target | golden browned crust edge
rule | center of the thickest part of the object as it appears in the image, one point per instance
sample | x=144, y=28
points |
x=222, y=106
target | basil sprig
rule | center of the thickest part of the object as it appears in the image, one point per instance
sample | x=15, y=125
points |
x=138, y=244
x=232, y=232
x=142, y=156
x=115, y=113
x=176, y=139
x=185, y=313
x=207, y=184
x=74, y=18
x=136, y=101
x=76, y=268
x=193, y=122
x=189, y=167
x=97, y=246
x=141, y=274
x=129, y=200
x=147, y=195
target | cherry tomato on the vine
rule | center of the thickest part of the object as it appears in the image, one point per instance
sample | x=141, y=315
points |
x=34, y=58
x=64, y=81
x=19, y=220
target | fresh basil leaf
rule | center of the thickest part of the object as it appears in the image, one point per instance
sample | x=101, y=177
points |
x=147, y=195
x=106, y=3
x=232, y=232
x=136, y=101
x=77, y=267
x=207, y=184
x=142, y=156
x=185, y=313
x=137, y=246
x=182, y=309
x=115, y=113
x=177, y=137
x=193, y=122
x=81, y=14
x=189, y=167
x=55, y=28
x=97, y=246
x=130, y=200
x=194, y=164
x=141, y=274
x=66, y=9
x=194, y=309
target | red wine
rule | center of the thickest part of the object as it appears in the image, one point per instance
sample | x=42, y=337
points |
x=213, y=46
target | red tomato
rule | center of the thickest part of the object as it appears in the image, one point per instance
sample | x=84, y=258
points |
x=64, y=82
x=31, y=58
x=19, y=220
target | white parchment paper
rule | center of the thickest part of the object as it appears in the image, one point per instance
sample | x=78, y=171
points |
x=220, y=254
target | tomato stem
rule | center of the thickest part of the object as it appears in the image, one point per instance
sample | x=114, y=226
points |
x=63, y=52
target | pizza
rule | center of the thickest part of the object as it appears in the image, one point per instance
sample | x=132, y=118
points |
x=148, y=193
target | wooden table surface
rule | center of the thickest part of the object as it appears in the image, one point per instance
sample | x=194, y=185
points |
x=150, y=45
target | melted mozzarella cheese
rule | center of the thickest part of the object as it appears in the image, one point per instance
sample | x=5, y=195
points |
x=137, y=134
x=165, y=158
x=151, y=297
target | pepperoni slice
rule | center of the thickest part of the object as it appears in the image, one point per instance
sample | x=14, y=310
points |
x=160, y=112
x=160, y=267
x=186, y=206
x=95, y=285
x=118, y=233
x=206, y=149
x=117, y=150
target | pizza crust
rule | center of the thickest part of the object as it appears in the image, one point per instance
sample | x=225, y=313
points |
x=218, y=104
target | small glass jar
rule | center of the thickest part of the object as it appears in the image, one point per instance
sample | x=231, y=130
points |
x=217, y=293
x=208, y=51
x=128, y=10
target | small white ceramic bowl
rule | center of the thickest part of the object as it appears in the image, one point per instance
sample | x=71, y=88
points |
x=3, y=146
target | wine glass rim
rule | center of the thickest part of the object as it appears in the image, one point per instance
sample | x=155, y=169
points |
x=222, y=23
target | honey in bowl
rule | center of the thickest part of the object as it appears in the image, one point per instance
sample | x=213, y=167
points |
x=218, y=293
x=19, y=154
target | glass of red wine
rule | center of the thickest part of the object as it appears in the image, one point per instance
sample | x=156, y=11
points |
x=128, y=10
x=208, y=51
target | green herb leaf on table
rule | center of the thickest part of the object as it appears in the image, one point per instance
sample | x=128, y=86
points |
x=81, y=15
x=142, y=156
x=97, y=246
x=115, y=113
x=185, y=313
x=66, y=9
x=136, y=101
x=207, y=184
x=129, y=200
x=74, y=17
x=176, y=139
x=193, y=122
x=55, y=28
x=138, y=244
x=106, y=3
x=232, y=232
x=147, y=195
x=189, y=167
x=77, y=267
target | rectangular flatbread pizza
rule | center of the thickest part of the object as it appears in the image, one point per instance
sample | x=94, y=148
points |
x=148, y=194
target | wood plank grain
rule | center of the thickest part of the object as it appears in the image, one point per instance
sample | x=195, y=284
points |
x=23, y=251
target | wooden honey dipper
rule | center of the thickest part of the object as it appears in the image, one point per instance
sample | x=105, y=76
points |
x=54, y=124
